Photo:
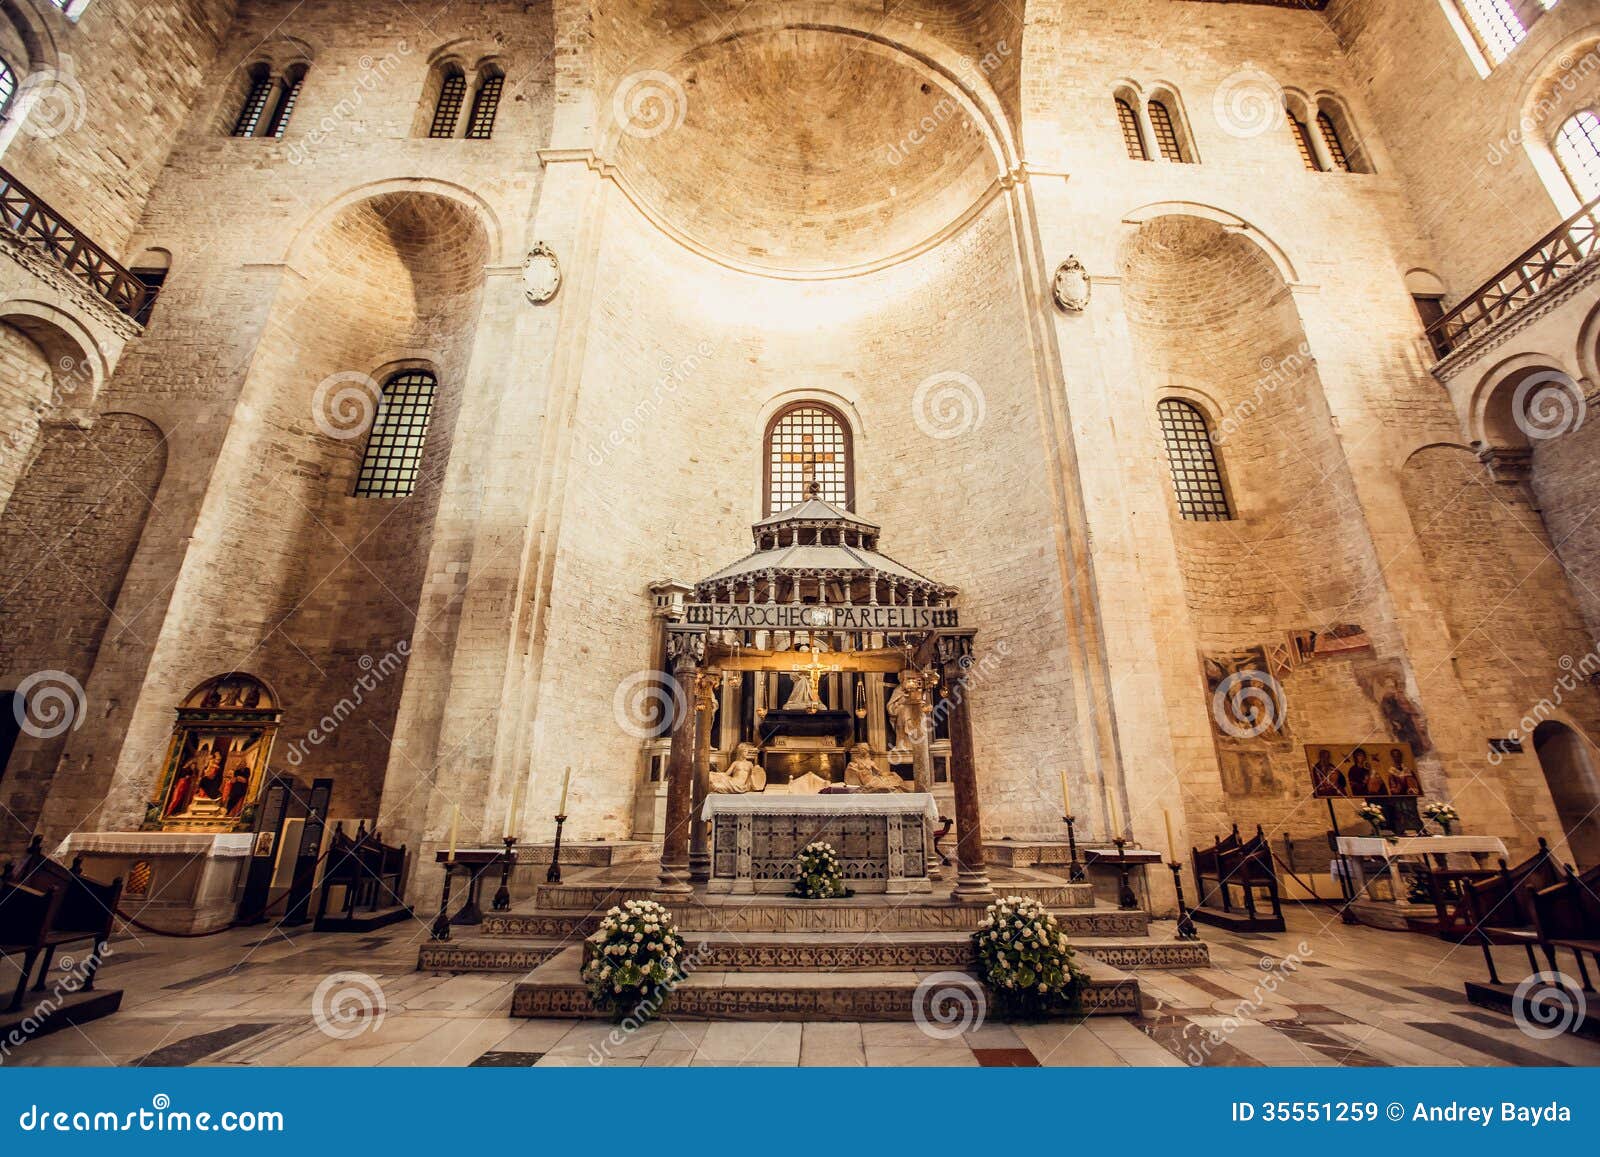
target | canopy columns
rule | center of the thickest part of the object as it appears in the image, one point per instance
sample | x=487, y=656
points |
x=953, y=653
x=685, y=651
x=707, y=685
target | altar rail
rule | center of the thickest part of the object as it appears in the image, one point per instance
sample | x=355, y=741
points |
x=25, y=214
x=1546, y=262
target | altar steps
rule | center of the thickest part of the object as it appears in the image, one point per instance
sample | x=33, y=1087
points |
x=555, y=989
x=609, y=854
x=641, y=884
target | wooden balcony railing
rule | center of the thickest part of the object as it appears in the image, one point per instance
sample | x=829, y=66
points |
x=1549, y=260
x=25, y=214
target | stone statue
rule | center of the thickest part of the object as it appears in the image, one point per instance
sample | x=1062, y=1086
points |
x=744, y=774
x=803, y=697
x=863, y=772
x=907, y=706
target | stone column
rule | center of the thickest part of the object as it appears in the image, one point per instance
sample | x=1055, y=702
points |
x=955, y=666
x=685, y=649
x=707, y=684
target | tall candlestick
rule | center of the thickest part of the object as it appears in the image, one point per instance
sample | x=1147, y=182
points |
x=566, y=780
x=514, y=814
x=1172, y=844
x=1111, y=806
x=455, y=824
x=1066, y=796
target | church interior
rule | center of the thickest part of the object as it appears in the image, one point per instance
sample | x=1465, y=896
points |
x=821, y=477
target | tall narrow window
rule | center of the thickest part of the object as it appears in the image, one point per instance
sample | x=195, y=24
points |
x=1302, y=141
x=808, y=444
x=1577, y=146
x=1196, y=476
x=447, y=113
x=1330, y=138
x=399, y=432
x=1496, y=25
x=288, y=94
x=1132, y=137
x=255, y=103
x=1166, y=132
x=480, y=125
x=8, y=87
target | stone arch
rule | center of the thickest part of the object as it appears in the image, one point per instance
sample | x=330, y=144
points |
x=1569, y=758
x=315, y=225
x=1230, y=222
x=1503, y=412
x=1566, y=79
x=68, y=343
x=1587, y=355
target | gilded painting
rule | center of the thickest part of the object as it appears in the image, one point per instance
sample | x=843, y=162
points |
x=1361, y=771
x=217, y=759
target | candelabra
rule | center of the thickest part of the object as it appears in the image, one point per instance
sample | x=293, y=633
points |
x=553, y=876
x=1075, y=872
x=502, y=897
x=1186, y=928
x=1126, y=900
x=441, y=924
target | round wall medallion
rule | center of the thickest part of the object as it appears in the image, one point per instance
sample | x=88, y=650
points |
x=541, y=274
x=1071, y=286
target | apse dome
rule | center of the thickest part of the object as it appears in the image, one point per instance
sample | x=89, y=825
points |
x=800, y=151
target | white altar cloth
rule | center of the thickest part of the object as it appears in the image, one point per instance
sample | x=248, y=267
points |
x=888, y=803
x=1392, y=850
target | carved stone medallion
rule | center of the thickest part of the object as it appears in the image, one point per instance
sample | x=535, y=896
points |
x=541, y=274
x=1070, y=287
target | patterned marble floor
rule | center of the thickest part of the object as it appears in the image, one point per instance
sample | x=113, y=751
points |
x=1358, y=997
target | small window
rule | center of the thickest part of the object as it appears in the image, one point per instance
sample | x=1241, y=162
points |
x=1302, y=140
x=255, y=103
x=399, y=432
x=1496, y=26
x=1132, y=136
x=1330, y=138
x=1166, y=131
x=1577, y=147
x=288, y=94
x=1196, y=475
x=807, y=444
x=8, y=87
x=447, y=113
x=480, y=125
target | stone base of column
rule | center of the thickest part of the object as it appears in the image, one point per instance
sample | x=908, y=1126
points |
x=673, y=880
x=699, y=867
x=972, y=885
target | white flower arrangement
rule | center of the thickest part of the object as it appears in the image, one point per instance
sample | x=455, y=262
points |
x=1373, y=814
x=818, y=875
x=1025, y=959
x=1441, y=813
x=632, y=960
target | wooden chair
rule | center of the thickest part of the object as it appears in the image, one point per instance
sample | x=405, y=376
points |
x=369, y=870
x=1232, y=862
x=1494, y=906
x=1567, y=915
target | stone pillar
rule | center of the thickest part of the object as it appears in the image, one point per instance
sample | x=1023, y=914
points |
x=707, y=684
x=685, y=649
x=955, y=664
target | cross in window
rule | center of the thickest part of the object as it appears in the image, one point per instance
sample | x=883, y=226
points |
x=809, y=457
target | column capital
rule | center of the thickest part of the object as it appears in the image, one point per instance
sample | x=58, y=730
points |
x=686, y=648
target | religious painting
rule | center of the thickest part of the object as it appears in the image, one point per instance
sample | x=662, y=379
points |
x=1362, y=770
x=1385, y=682
x=1244, y=697
x=1247, y=774
x=1332, y=642
x=217, y=758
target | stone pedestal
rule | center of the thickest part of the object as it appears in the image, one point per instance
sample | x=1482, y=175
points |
x=175, y=881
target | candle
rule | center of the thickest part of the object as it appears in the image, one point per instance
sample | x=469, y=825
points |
x=455, y=823
x=1172, y=844
x=514, y=814
x=1111, y=808
x=1066, y=798
x=566, y=779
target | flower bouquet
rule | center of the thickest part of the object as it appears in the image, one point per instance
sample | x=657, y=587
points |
x=1025, y=960
x=1374, y=815
x=632, y=960
x=1442, y=814
x=817, y=873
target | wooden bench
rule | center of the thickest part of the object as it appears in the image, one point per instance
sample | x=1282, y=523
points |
x=1232, y=862
x=370, y=872
x=1567, y=915
x=1494, y=906
x=26, y=916
x=79, y=910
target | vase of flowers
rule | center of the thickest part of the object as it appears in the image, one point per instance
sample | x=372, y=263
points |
x=1443, y=814
x=632, y=960
x=1374, y=816
x=1025, y=960
x=818, y=875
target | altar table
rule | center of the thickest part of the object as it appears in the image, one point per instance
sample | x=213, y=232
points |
x=1355, y=848
x=881, y=839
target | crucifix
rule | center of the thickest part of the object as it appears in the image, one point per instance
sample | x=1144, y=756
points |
x=807, y=677
x=809, y=457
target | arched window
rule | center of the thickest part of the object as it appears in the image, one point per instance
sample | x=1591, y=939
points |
x=1168, y=141
x=255, y=102
x=1577, y=147
x=447, y=112
x=808, y=443
x=8, y=87
x=288, y=94
x=1132, y=135
x=1302, y=140
x=399, y=432
x=1330, y=137
x=480, y=125
x=1497, y=25
x=1196, y=474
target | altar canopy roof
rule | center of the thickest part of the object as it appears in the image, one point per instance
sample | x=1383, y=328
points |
x=816, y=540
